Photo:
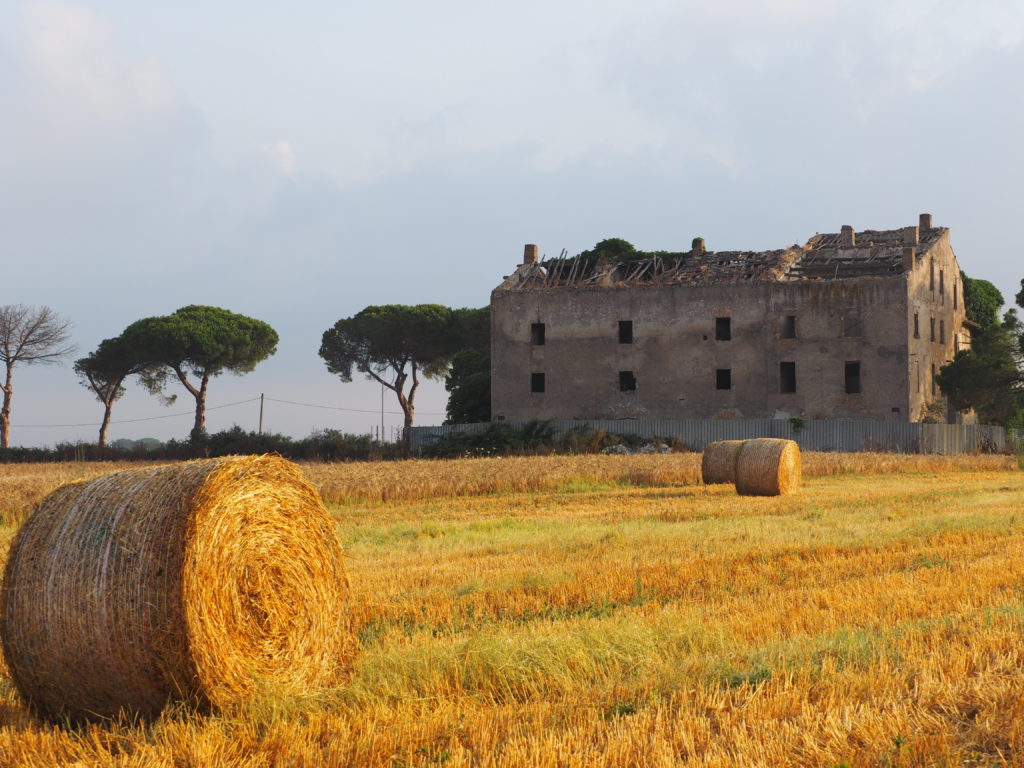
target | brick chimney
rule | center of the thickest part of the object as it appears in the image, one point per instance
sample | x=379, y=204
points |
x=911, y=236
x=530, y=254
x=925, y=221
x=847, y=237
x=698, y=246
x=909, y=252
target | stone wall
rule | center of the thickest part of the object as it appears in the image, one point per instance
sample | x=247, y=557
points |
x=935, y=296
x=849, y=334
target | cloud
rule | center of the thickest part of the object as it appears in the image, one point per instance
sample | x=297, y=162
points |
x=740, y=13
x=921, y=46
x=81, y=76
x=281, y=156
x=91, y=123
x=656, y=82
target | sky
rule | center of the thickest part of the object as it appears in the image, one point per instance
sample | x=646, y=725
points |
x=299, y=161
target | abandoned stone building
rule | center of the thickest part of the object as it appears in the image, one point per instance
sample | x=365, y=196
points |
x=849, y=325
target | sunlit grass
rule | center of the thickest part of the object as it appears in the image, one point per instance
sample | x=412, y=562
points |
x=871, y=619
x=419, y=479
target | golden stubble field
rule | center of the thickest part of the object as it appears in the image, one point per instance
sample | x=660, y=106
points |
x=607, y=610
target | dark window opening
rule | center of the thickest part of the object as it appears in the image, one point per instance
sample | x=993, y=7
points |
x=723, y=378
x=787, y=377
x=931, y=276
x=852, y=325
x=942, y=331
x=723, y=328
x=853, y=377
x=789, y=327
x=932, y=321
x=942, y=285
x=625, y=331
x=627, y=381
x=536, y=382
x=917, y=326
x=537, y=335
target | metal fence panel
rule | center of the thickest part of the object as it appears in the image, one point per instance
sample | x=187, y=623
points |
x=842, y=436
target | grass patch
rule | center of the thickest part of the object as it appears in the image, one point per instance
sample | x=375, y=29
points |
x=597, y=620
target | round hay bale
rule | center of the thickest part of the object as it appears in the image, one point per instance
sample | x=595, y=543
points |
x=718, y=463
x=767, y=467
x=198, y=582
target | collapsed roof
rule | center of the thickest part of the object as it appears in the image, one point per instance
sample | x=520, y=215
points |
x=846, y=254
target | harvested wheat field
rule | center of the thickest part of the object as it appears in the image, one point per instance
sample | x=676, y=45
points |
x=622, y=614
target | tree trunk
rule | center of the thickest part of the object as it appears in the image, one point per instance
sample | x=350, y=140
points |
x=107, y=409
x=405, y=401
x=199, y=426
x=5, y=411
x=409, y=409
x=199, y=429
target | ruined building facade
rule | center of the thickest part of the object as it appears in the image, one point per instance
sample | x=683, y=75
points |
x=849, y=325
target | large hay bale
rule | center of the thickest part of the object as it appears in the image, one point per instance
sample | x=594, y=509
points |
x=767, y=467
x=718, y=463
x=199, y=582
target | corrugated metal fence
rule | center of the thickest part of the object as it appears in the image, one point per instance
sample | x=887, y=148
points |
x=840, y=436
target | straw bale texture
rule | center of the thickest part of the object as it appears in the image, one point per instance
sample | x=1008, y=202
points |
x=196, y=582
x=718, y=464
x=767, y=466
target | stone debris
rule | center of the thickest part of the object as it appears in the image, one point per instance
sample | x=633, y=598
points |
x=824, y=257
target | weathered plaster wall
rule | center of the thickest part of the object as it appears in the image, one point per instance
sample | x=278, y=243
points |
x=935, y=294
x=674, y=355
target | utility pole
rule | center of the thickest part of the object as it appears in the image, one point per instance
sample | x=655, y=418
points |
x=260, y=431
x=381, y=413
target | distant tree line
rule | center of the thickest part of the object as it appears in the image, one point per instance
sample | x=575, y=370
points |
x=322, y=445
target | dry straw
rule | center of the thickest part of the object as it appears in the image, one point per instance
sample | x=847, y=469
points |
x=200, y=582
x=767, y=467
x=718, y=464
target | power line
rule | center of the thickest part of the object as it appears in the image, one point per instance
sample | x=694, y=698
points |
x=352, y=410
x=217, y=408
x=132, y=421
